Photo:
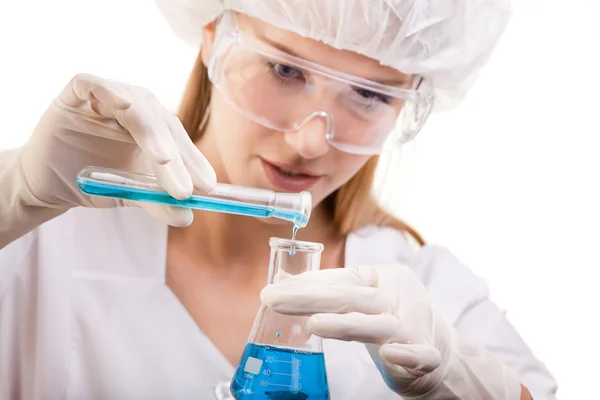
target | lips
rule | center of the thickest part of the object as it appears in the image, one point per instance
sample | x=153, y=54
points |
x=288, y=178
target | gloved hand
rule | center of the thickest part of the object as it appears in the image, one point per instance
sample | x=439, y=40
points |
x=98, y=122
x=386, y=307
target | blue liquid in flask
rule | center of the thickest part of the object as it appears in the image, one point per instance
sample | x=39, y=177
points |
x=273, y=373
x=199, y=202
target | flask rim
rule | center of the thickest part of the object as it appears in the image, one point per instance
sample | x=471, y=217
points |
x=295, y=245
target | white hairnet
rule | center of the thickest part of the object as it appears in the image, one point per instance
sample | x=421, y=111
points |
x=445, y=41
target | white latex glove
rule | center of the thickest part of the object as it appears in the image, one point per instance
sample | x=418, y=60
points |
x=98, y=122
x=386, y=307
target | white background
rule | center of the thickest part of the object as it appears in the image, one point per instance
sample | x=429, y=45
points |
x=508, y=181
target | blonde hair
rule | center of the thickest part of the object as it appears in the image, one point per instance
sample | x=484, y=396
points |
x=351, y=206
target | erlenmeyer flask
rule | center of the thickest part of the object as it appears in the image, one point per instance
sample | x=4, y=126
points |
x=282, y=360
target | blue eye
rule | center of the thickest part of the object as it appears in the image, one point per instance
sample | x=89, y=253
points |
x=369, y=95
x=285, y=71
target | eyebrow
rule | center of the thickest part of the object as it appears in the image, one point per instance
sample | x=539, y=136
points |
x=278, y=46
x=399, y=82
x=394, y=82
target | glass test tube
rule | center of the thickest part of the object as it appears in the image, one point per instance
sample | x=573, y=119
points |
x=232, y=199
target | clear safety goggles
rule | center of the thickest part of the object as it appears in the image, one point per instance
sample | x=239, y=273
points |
x=284, y=93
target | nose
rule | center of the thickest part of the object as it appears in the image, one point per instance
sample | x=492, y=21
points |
x=309, y=139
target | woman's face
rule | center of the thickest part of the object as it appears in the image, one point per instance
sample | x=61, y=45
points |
x=244, y=152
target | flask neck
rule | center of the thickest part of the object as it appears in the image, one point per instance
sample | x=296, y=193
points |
x=292, y=257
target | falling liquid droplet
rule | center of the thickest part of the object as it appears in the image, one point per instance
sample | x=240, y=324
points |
x=294, y=231
x=277, y=333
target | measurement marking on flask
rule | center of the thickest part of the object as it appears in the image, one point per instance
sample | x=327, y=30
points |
x=269, y=360
x=295, y=386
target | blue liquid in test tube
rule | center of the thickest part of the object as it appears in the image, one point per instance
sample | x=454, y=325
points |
x=293, y=207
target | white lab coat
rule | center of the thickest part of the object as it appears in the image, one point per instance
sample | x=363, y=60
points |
x=85, y=314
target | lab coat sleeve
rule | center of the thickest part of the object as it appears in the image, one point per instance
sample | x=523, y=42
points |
x=35, y=290
x=462, y=298
x=20, y=212
x=486, y=323
x=17, y=320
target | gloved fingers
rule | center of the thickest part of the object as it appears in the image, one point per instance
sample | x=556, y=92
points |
x=417, y=359
x=179, y=166
x=375, y=329
x=203, y=175
x=306, y=297
x=146, y=121
x=85, y=87
x=132, y=107
x=148, y=130
x=174, y=178
x=170, y=215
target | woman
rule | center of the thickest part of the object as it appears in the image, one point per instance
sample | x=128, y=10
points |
x=124, y=303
